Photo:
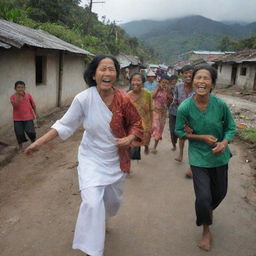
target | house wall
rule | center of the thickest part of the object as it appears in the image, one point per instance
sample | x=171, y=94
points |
x=224, y=75
x=73, y=81
x=247, y=81
x=19, y=64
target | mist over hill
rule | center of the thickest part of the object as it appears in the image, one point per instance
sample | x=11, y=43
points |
x=172, y=37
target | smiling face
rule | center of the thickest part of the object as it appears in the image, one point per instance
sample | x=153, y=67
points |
x=187, y=76
x=163, y=83
x=136, y=83
x=105, y=75
x=20, y=89
x=202, y=82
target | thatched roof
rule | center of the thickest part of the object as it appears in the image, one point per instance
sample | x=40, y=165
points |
x=18, y=36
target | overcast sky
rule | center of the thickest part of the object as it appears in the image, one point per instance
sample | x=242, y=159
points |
x=123, y=11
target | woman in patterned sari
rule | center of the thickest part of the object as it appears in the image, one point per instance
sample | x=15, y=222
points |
x=160, y=97
x=142, y=100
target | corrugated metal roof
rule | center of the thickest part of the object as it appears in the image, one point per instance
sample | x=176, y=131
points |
x=238, y=57
x=15, y=35
x=127, y=60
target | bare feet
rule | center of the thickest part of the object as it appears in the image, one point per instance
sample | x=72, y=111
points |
x=205, y=242
x=178, y=159
x=174, y=148
x=188, y=174
x=153, y=151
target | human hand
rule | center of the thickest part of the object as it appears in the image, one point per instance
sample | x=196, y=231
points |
x=125, y=141
x=209, y=140
x=32, y=148
x=219, y=148
x=188, y=129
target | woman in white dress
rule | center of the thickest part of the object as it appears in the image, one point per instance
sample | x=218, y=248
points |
x=111, y=124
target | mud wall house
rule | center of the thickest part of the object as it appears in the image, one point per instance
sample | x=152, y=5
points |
x=237, y=69
x=130, y=62
x=51, y=68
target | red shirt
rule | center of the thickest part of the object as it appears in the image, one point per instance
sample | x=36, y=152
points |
x=23, y=108
x=125, y=121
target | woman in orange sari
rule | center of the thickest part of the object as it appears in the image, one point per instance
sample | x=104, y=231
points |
x=142, y=100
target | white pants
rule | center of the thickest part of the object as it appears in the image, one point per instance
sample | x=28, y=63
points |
x=98, y=204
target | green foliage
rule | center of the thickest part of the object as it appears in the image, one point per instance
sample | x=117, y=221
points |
x=171, y=38
x=248, y=134
x=248, y=43
x=226, y=44
x=76, y=25
x=8, y=12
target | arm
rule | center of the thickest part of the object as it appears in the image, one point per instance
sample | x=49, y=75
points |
x=154, y=93
x=63, y=128
x=32, y=102
x=184, y=133
x=50, y=135
x=133, y=121
x=15, y=99
x=229, y=127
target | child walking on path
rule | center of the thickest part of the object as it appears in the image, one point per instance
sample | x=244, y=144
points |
x=24, y=112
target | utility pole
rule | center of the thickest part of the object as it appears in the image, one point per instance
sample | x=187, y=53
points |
x=90, y=14
x=93, y=2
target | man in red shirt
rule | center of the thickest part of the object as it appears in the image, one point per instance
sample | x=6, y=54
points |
x=24, y=112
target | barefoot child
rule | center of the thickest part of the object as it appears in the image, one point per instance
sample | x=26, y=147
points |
x=24, y=112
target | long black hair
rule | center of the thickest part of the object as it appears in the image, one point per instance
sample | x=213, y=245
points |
x=91, y=69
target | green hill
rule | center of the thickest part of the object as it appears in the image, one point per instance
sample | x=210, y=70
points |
x=172, y=37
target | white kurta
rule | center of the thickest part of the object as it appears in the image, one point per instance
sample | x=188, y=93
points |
x=97, y=155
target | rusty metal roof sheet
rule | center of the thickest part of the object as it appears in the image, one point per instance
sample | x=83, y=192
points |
x=15, y=35
x=127, y=60
x=238, y=57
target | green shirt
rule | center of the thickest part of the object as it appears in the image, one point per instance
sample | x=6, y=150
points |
x=216, y=120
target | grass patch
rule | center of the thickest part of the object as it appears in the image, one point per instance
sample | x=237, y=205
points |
x=248, y=134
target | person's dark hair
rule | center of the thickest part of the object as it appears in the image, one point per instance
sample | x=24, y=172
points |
x=139, y=74
x=91, y=69
x=19, y=83
x=187, y=68
x=208, y=67
x=173, y=77
x=164, y=76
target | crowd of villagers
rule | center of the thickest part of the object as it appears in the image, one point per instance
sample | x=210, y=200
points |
x=116, y=123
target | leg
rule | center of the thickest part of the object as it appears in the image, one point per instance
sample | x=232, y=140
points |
x=174, y=138
x=146, y=150
x=154, y=151
x=19, y=132
x=112, y=199
x=30, y=130
x=90, y=227
x=205, y=242
x=219, y=184
x=181, y=147
x=202, y=187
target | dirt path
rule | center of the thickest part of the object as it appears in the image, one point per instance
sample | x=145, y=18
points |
x=39, y=205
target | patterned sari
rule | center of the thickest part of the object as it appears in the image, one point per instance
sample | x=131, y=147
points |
x=144, y=106
x=159, y=114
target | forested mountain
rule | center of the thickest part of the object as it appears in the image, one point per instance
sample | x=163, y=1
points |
x=172, y=37
x=75, y=24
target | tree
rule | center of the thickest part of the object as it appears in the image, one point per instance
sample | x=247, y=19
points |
x=226, y=44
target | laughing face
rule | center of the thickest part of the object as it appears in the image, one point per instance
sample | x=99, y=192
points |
x=105, y=75
x=202, y=82
x=136, y=83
